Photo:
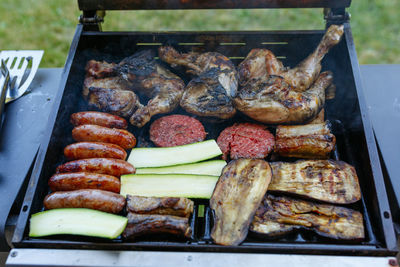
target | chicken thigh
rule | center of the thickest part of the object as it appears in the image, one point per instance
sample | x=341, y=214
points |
x=271, y=93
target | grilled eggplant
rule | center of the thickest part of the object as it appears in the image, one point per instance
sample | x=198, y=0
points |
x=143, y=224
x=311, y=141
x=176, y=206
x=236, y=197
x=325, y=180
x=281, y=215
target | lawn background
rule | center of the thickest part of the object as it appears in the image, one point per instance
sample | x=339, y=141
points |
x=50, y=25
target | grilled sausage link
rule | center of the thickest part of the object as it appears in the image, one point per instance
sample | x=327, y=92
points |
x=115, y=167
x=84, y=180
x=85, y=198
x=95, y=133
x=98, y=118
x=86, y=150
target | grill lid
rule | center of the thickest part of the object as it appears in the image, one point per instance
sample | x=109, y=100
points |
x=91, y=5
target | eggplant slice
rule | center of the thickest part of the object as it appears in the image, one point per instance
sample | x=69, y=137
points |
x=324, y=180
x=236, y=197
x=280, y=215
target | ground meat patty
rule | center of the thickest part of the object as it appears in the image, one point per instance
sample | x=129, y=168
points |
x=245, y=140
x=176, y=130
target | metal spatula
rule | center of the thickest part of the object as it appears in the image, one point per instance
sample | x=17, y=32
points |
x=17, y=62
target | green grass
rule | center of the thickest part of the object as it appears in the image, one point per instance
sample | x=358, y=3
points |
x=50, y=25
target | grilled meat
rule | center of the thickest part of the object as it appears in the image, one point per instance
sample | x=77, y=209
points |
x=236, y=197
x=143, y=224
x=325, y=180
x=271, y=93
x=210, y=93
x=175, y=206
x=276, y=102
x=144, y=75
x=304, y=74
x=313, y=141
x=281, y=215
x=118, y=102
x=112, y=87
x=100, y=69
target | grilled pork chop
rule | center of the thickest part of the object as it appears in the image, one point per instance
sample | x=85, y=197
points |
x=143, y=224
x=117, y=85
x=281, y=215
x=312, y=141
x=175, y=206
x=236, y=197
x=215, y=83
x=273, y=94
x=325, y=180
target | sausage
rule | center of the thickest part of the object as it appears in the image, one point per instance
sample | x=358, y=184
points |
x=85, y=150
x=95, y=133
x=84, y=180
x=85, y=198
x=115, y=167
x=98, y=118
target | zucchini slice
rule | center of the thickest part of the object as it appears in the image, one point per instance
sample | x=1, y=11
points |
x=211, y=167
x=168, y=185
x=76, y=221
x=145, y=157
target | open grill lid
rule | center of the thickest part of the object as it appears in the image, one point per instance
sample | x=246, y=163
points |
x=90, y=5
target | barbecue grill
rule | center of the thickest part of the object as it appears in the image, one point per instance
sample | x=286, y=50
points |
x=347, y=112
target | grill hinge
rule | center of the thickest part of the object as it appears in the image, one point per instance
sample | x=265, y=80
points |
x=91, y=20
x=336, y=16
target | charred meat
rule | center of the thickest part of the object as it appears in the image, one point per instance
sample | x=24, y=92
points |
x=236, y=197
x=312, y=141
x=215, y=83
x=280, y=215
x=143, y=224
x=276, y=102
x=325, y=180
x=175, y=206
x=271, y=93
x=113, y=87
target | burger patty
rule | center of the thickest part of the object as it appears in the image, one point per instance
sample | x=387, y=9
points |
x=245, y=140
x=176, y=130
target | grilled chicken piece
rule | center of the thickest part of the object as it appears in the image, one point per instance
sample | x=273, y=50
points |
x=274, y=94
x=107, y=83
x=118, y=102
x=236, y=197
x=100, y=69
x=312, y=141
x=144, y=75
x=276, y=102
x=210, y=93
x=305, y=73
x=281, y=215
x=143, y=224
x=117, y=84
x=176, y=206
x=325, y=180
